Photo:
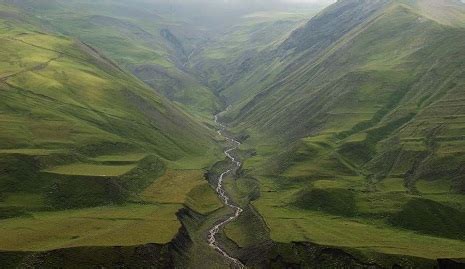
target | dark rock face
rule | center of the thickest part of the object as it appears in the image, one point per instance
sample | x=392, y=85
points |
x=171, y=255
x=451, y=264
x=145, y=256
x=308, y=255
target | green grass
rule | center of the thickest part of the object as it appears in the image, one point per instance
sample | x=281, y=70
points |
x=357, y=131
x=71, y=118
x=120, y=158
x=80, y=142
x=130, y=35
x=392, y=185
x=187, y=187
x=70, y=112
x=289, y=224
x=67, y=88
x=203, y=199
x=105, y=226
x=315, y=200
x=358, y=134
x=431, y=217
x=434, y=187
x=153, y=221
x=199, y=161
x=102, y=114
x=31, y=152
x=91, y=170
x=303, y=204
x=23, y=200
x=347, y=211
x=333, y=201
x=247, y=231
x=173, y=186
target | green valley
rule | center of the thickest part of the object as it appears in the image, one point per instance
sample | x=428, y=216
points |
x=235, y=134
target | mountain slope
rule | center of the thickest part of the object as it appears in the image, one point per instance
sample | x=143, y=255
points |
x=362, y=77
x=167, y=45
x=356, y=119
x=74, y=77
x=81, y=140
x=225, y=58
x=140, y=36
x=393, y=71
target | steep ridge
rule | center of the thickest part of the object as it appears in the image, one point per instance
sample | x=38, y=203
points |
x=373, y=74
x=142, y=37
x=358, y=116
x=61, y=64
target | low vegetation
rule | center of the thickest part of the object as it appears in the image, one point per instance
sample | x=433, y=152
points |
x=82, y=142
x=351, y=123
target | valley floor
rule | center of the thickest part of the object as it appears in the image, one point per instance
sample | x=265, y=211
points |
x=176, y=213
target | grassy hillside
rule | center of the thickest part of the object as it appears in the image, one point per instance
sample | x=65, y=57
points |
x=140, y=36
x=355, y=128
x=185, y=56
x=351, y=123
x=83, y=142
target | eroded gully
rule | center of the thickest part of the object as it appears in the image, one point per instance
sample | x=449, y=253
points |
x=212, y=241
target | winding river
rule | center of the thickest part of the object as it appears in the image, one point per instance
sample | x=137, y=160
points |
x=226, y=200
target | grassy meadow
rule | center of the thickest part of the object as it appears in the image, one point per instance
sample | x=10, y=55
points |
x=319, y=197
x=100, y=226
x=152, y=219
x=365, y=234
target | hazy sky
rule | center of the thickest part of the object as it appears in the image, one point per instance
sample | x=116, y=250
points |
x=310, y=1
x=288, y=1
x=262, y=2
